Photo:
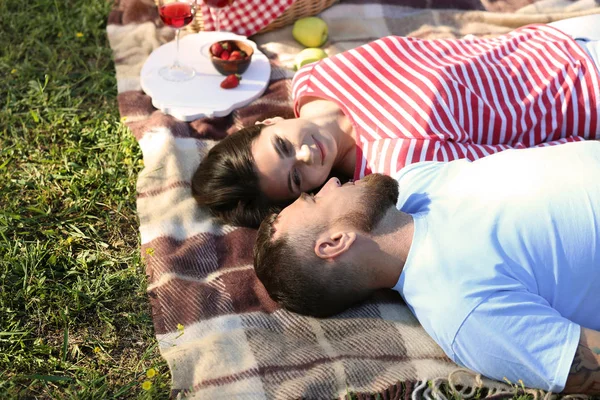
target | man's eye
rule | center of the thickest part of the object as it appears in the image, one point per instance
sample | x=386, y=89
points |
x=296, y=178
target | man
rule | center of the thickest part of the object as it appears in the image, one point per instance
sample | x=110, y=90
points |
x=498, y=258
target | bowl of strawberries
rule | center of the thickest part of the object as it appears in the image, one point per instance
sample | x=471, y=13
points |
x=231, y=56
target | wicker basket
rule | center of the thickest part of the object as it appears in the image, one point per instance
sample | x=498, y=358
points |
x=299, y=9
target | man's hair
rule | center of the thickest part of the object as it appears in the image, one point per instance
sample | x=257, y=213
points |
x=300, y=281
x=227, y=184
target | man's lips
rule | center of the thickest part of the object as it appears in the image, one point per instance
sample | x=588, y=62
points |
x=320, y=146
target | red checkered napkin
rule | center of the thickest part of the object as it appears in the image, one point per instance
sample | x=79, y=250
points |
x=246, y=17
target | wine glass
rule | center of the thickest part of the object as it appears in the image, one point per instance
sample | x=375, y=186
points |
x=216, y=6
x=177, y=14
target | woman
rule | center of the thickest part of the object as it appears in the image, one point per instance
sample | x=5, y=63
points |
x=401, y=100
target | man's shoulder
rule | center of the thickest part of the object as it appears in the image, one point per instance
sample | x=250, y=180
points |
x=421, y=182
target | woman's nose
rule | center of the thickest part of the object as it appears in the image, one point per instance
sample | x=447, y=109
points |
x=304, y=154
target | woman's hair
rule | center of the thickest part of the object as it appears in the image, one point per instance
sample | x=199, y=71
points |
x=227, y=184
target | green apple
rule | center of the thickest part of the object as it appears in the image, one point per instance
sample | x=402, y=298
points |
x=309, y=55
x=310, y=31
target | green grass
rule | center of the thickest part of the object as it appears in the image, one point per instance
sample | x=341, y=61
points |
x=75, y=321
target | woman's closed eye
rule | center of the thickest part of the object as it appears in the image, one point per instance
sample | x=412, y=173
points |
x=283, y=146
x=296, y=178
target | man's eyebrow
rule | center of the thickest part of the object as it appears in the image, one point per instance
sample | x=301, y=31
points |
x=306, y=197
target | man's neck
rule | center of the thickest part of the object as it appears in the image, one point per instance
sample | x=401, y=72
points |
x=394, y=236
x=330, y=118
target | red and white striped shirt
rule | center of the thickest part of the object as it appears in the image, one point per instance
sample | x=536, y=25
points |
x=413, y=100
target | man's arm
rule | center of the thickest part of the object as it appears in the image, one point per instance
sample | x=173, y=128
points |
x=584, y=376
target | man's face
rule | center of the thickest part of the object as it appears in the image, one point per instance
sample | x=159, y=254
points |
x=359, y=205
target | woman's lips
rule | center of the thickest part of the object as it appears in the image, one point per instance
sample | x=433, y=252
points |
x=321, y=150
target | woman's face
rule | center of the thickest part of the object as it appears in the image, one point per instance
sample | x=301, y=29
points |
x=292, y=156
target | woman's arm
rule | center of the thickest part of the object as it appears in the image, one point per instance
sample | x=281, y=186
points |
x=584, y=376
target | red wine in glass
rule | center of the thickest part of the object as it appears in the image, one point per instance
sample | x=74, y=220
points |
x=216, y=6
x=177, y=14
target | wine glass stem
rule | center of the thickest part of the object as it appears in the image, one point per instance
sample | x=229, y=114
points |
x=218, y=20
x=176, y=63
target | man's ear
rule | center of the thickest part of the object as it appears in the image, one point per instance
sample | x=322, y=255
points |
x=269, y=121
x=330, y=245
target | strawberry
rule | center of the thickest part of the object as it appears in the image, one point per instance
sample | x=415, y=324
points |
x=235, y=55
x=225, y=55
x=217, y=48
x=231, y=81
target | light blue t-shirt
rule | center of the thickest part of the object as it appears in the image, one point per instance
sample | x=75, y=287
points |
x=504, y=267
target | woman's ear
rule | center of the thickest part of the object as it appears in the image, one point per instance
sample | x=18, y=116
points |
x=269, y=121
x=331, y=245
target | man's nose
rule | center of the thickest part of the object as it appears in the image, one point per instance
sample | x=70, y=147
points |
x=304, y=154
x=331, y=184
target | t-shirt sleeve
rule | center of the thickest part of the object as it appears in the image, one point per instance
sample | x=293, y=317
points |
x=301, y=85
x=517, y=335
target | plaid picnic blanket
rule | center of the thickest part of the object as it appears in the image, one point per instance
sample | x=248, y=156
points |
x=216, y=327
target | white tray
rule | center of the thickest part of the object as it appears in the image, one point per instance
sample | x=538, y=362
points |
x=201, y=96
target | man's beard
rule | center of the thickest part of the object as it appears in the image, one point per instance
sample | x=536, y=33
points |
x=381, y=193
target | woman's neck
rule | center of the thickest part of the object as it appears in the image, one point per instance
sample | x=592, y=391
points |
x=329, y=117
